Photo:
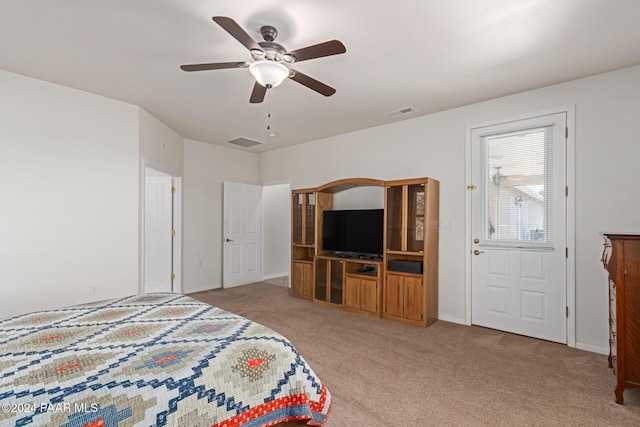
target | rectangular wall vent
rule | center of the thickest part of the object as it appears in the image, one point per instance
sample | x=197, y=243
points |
x=405, y=110
x=244, y=142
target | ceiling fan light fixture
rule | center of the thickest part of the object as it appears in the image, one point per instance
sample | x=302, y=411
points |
x=258, y=53
x=288, y=58
x=268, y=73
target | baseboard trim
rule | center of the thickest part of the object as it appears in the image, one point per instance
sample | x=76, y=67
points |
x=451, y=319
x=274, y=276
x=592, y=348
x=200, y=289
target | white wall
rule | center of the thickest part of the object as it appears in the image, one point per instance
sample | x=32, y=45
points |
x=160, y=146
x=276, y=209
x=359, y=198
x=69, y=176
x=607, y=151
x=206, y=167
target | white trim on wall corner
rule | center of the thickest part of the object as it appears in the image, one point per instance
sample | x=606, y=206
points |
x=571, y=221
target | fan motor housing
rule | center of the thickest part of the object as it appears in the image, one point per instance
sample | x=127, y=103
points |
x=268, y=32
x=272, y=50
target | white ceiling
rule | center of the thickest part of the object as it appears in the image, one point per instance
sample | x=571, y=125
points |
x=432, y=55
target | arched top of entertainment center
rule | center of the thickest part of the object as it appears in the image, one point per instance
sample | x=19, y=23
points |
x=346, y=184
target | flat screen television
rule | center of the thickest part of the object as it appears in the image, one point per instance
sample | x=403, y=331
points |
x=353, y=232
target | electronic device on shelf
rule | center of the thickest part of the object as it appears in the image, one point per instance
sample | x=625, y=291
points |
x=356, y=233
x=415, y=267
x=367, y=268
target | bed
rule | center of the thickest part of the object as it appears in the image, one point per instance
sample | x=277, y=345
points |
x=152, y=359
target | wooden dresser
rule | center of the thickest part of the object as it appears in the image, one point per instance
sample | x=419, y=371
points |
x=621, y=257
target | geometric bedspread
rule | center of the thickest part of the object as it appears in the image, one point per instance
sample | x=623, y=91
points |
x=153, y=359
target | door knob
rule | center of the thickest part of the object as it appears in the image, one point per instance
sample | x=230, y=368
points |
x=477, y=252
x=476, y=240
x=227, y=240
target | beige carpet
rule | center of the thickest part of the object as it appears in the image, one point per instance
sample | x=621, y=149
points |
x=381, y=373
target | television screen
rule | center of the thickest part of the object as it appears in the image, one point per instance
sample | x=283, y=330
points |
x=358, y=231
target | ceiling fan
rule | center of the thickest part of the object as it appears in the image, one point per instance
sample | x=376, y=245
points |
x=271, y=59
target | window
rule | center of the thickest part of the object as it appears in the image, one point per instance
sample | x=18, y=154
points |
x=516, y=186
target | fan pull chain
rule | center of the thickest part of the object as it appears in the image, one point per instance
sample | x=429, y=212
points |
x=268, y=109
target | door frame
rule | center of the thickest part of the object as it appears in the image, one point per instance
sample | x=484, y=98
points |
x=176, y=181
x=569, y=110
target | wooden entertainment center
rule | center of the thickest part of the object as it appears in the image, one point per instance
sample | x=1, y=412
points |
x=402, y=284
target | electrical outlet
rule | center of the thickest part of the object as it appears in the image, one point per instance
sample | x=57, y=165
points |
x=93, y=288
x=446, y=224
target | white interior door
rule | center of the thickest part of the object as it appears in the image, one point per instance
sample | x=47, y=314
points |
x=242, y=234
x=158, y=255
x=518, y=227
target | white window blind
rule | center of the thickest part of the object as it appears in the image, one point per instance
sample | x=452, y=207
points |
x=517, y=188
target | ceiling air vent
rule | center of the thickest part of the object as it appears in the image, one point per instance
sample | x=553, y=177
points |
x=244, y=142
x=405, y=110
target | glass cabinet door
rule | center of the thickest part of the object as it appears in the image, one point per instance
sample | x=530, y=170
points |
x=415, y=218
x=321, y=279
x=304, y=219
x=405, y=218
x=394, y=218
x=296, y=219
x=336, y=281
x=310, y=219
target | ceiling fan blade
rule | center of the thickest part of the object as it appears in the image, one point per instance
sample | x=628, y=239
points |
x=333, y=47
x=258, y=93
x=312, y=83
x=236, y=31
x=213, y=66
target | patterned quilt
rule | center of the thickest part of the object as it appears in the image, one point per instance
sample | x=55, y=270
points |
x=154, y=359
